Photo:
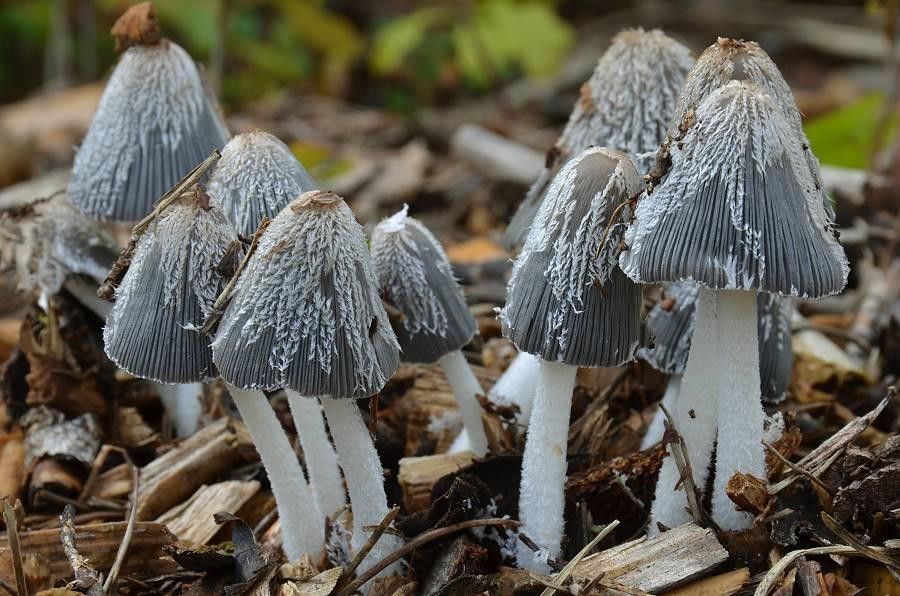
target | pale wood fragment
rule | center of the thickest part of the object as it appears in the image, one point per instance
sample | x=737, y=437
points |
x=192, y=521
x=419, y=474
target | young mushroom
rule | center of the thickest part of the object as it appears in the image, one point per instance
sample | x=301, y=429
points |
x=155, y=122
x=153, y=328
x=415, y=276
x=627, y=104
x=570, y=304
x=739, y=180
x=256, y=177
x=306, y=315
x=671, y=322
x=517, y=384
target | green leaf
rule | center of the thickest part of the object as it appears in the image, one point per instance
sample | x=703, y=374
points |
x=394, y=41
x=844, y=137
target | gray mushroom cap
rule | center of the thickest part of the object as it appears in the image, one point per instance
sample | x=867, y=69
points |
x=416, y=277
x=306, y=311
x=257, y=176
x=671, y=322
x=154, y=123
x=739, y=208
x=566, y=301
x=154, y=328
x=627, y=103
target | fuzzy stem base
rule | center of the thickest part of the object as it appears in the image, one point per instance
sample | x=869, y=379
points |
x=657, y=427
x=694, y=416
x=518, y=384
x=321, y=459
x=183, y=403
x=465, y=387
x=302, y=525
x=740, y=413
x=365, y=477
x=542, y=492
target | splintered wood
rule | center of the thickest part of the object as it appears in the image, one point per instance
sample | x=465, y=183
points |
x=192, y=521
x=657, y=564
x=419, y=474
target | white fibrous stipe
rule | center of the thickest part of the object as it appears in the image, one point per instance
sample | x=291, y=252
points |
x=154, y=118
x=310, y=284
x=257, y=176
x=736, y=169
x=671, y=324
x=401, y=269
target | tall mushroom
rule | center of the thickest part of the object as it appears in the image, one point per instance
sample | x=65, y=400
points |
x=153, y=329
x=739, y=212
x=306, y=314
x=155, y=122
x=256, y=177
x=416, y=277
x=626, y=104
x=570, y=304
x=671, y=321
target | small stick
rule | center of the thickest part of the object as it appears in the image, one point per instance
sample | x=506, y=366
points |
x=367, y=547
x=570, y=566
x=12, y=537
x=553, y=562
x=418, y=541
x=864, y=549
x=86, y=577
x=110, y=583
x=685, y=471
x=809, y=475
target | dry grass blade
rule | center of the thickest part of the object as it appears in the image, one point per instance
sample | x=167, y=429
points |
x=865, y=550
x=367, y=547
x=417, y=542
x=110, y=584
x=12, y=537
x=812, y=478
x=570, y=566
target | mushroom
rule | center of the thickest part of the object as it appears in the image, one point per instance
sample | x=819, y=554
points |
x=627, y=103
x=155, y=122
x=517, y=384
x=569, y=304
x=153, y=328
x=740, y=182
x=671, y=321
x=306, y=315
x=415, y=276
x=256, y=177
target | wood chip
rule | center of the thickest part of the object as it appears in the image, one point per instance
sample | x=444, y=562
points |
x=419, y=474
x=192, y=521
x=723, y=584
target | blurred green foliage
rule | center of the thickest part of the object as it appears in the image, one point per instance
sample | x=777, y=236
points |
x=845, y=136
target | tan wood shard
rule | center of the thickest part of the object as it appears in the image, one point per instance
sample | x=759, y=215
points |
x=192, y=521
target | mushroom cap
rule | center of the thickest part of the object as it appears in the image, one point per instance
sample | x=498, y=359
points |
x=415, y=275
x=306, y=312
x=52, y=241
x=566, y=301
x=154, y=328
x=671, y=321
x=257, y=176
x=739, y=208
x=627, y=103
x=154, y=123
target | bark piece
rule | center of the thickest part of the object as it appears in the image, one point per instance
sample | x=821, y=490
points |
x=655, y=565
x=723, y=584
x=192, y=521
x=419, y=474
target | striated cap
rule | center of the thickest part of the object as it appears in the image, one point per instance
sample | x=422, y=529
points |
x=671, y=321
x=415, y=276
x=153, y=329
x=154, y=123
x=567, y=301
x=50, y=241
x=306, y=312
x=256, y=177
x=738, y=208
x=627, y=103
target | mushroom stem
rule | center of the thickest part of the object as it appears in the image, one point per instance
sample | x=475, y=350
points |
x=517, y=384
x=86, y=294
x=465, y=387
x=362, y=469
x=321, y=459
x=302, y=525
x=694, y=416
x=183, y=404
x=657, y=427
x=740, y=412
x=542, y=492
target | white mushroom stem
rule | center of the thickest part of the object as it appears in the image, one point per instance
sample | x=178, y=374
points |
x=694, y=416
x=86, y=294
x=321, y=459
x=516, y=386
x=465, y=387
x=657, y=426
x=183, y=403
x=740, y=413
x=365, y=477
x=302, y=524
x=542, y=492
